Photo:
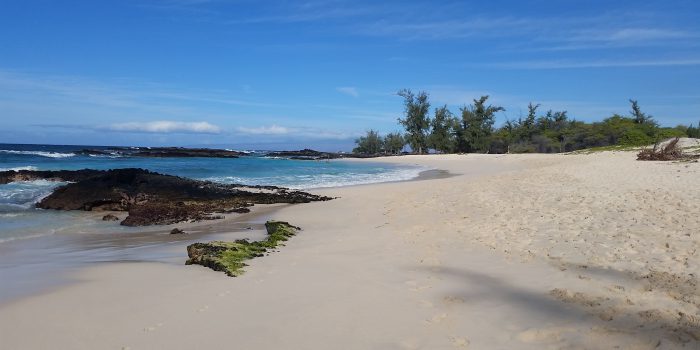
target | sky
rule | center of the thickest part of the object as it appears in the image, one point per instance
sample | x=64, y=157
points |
x=318, y=74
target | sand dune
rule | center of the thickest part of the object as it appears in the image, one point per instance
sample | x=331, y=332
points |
x=515, y=251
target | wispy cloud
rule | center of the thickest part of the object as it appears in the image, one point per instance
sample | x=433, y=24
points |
x=634, y=34
x=123, y=93
x=348, y=90
x=448, y=29
x=104, y=101
x=166, y=126
x=563, y=64
x=453, y=20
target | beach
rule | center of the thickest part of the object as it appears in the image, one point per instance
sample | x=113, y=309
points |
x=510, y=251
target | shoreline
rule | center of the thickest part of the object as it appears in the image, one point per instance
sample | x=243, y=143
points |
x=151, y=239
x=73, y=252
x=524, y=251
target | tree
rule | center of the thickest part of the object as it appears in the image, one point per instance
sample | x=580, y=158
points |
x=476, y=125
x=442, y=135
x=693, y=131
x=415, y=121
x=639, y=116
x=394, y=143
x=528, y=125
x=371, y=143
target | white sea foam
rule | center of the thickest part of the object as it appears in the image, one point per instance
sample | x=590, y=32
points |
x=18, y=196
x=39, y=153
x=302, y=182
x=111, y=155
x=28, y=167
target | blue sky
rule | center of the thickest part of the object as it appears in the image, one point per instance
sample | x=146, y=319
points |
x=286, y=74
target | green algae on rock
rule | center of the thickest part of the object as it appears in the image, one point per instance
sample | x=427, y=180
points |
x=229, y=257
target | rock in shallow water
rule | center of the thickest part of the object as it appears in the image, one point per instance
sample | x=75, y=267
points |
x=152, y=198
x=110, y=217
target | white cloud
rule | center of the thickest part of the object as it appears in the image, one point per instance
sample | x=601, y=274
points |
x=348, y=90
x=296, y=132
x=264, y=130
x=166, y=126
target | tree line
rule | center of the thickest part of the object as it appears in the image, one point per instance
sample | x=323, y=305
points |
x=472, y=130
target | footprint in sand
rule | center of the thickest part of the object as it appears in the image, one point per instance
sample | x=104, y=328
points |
x=152, y=328
x=415, y=286
x=452, y=300
x=459, y=342
x=437, y=318
x=203, y=308
x=538, y=335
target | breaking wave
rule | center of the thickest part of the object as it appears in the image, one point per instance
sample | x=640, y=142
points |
x=39, y=153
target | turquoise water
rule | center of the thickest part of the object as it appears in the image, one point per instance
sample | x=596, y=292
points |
x=19, y=218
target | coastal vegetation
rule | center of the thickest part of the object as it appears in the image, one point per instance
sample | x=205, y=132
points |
x=373, y=143
x=472, y=130
x=230, y=257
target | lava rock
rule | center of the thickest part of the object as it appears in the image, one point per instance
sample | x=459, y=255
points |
x=110, y=217
x=152, y=198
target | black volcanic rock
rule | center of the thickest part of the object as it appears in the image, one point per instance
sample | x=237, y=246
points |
x=152, y=198
x=52, y=175
x=110, y=217
x=92, y=152
x=163, y=152
x=185, y=152
x=309, y=154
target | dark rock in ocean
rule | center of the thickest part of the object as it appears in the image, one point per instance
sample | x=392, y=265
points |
x=163, y=152
x=309, y=154
x=176, y=231
x=92, y=152
x=152, y=198
x=229, y=257
x=51, y=175
x=110, y=217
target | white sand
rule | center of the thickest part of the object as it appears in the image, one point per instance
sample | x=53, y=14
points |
x=518, y=251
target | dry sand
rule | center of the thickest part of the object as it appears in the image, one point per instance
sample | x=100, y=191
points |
x=591, y=251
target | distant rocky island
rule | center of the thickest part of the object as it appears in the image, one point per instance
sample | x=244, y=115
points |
x=183, y=152
x=162, y=152
x=309, y=154
x=151, y=198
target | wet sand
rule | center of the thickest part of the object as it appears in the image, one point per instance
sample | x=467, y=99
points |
x=40, y=264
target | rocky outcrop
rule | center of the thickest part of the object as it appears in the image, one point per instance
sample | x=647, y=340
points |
x=309, y=154
x=151, y=198
x=230, y=257
x=185, y=152
x=163, y=152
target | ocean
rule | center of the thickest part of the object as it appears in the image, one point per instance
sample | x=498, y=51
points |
x=19, y=219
